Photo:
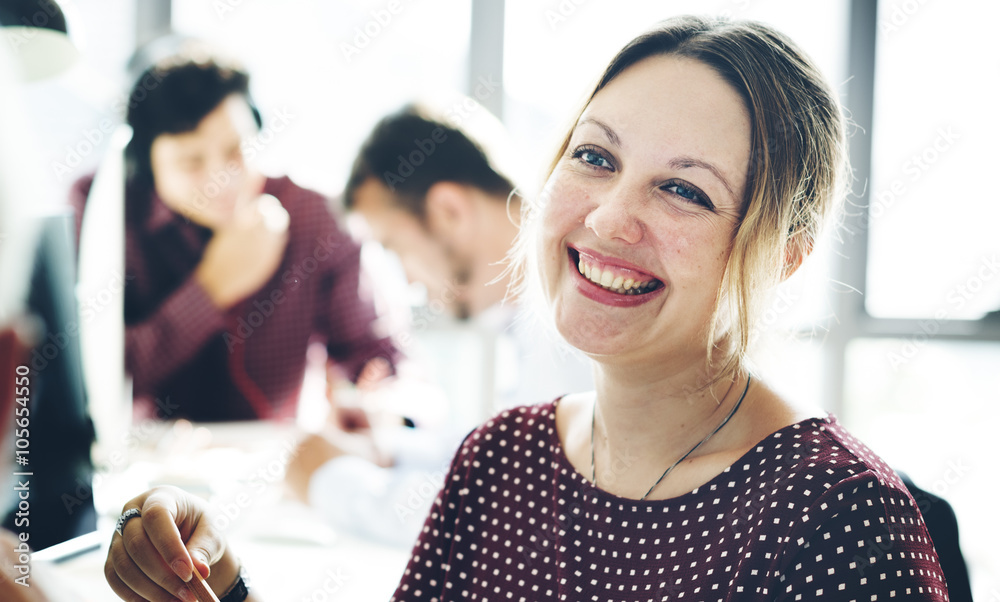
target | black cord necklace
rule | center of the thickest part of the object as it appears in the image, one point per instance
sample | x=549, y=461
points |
x=593, y=419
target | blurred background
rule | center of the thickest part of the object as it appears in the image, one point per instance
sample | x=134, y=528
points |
x=893, y=325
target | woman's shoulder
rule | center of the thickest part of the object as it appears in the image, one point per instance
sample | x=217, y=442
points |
x=512, y=428
x=826, y=447
x=847, y=514
x=519, y=419
x=806, y=447
x=815, y=472
x=822, y=450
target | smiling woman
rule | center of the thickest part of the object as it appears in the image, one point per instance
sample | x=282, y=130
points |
x=697, y=175
x=739, y=143
x=642, y=189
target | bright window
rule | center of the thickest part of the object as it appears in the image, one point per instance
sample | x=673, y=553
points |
x=335, y=68
x=934, y=248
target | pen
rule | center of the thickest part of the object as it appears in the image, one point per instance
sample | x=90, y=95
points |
x=200, y=589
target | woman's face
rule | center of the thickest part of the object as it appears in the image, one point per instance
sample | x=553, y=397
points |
x=645, y=201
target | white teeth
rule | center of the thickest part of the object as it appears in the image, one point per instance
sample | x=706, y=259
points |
x=616, y=284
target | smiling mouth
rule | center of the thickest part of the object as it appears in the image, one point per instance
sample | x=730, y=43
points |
x=611, y=278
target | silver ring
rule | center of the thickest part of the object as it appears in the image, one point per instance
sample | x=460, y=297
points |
x=124, y=518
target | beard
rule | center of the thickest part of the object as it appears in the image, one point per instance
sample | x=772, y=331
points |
x=461, y=275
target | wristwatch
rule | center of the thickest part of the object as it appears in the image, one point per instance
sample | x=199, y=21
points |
x=239, y=591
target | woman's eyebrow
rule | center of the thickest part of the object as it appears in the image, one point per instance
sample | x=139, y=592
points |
x=689, y=162
x=683, y=162
x=610, y=133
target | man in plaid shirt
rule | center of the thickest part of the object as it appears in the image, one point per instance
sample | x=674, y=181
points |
x=225, y=286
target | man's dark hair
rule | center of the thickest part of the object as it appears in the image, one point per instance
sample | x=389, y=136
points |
x=409, y=152
x=172, y=99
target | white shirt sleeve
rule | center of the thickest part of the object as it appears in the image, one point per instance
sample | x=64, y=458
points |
x=388, y=505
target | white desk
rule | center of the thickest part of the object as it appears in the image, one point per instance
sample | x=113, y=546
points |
x=349, y=569
x=288, y=552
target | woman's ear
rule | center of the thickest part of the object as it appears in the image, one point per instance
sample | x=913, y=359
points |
x=797, y=248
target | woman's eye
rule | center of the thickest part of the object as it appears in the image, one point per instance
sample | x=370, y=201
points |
x=688, y=193
x=683, y=191
x=593, y=158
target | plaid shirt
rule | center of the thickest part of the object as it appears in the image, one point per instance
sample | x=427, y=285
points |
x=190, y=359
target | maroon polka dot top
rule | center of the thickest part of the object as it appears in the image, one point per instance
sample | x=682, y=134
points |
x=809, y=513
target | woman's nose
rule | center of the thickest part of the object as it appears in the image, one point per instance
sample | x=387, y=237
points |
x=616, y=217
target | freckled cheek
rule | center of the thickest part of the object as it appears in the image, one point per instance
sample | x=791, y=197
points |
x=559, y=217
x=564, y=206
x=690, y=256
x=548, y=245
x=672, y=241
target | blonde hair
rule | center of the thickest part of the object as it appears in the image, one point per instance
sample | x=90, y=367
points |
x=796, y=169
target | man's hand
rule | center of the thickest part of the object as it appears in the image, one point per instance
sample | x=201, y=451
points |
x=243, y=255
x=315, y=450
x=345, y=412
x=312, y=452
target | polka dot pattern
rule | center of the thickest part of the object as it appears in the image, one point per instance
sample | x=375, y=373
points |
x=809, y=514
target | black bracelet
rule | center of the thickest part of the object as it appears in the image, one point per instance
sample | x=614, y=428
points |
x=239, y=591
